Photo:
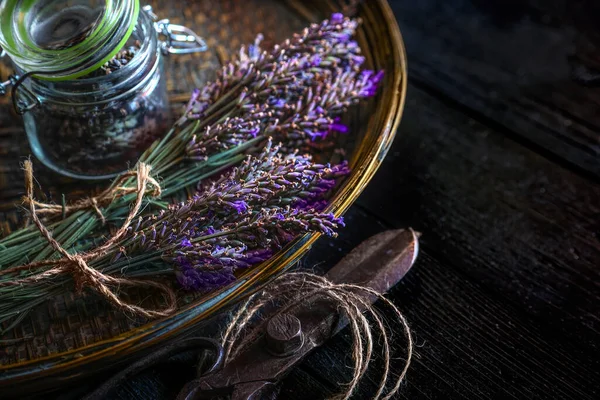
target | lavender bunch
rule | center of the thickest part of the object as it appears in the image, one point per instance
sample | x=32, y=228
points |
x=299, y=117
x=239, y=220
x=320, y=47
x=251, y=241
x=299, y=90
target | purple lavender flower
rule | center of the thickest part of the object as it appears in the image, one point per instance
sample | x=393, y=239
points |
x=201, y=279
x=337, y=18
x=314, y=135
x=239, y=205
x=209, y=265
x=193, y=99
x=258, y=256
x=316, y=61
x=296, y=221
x=370, y=81
x=254, y=49
x=278, y=103
x=211, y=273
x=316, y=205
x=337, y=126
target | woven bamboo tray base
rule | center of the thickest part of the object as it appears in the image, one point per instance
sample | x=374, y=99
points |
x=72, y=321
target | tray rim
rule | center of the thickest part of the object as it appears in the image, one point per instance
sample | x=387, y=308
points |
x=202, y=310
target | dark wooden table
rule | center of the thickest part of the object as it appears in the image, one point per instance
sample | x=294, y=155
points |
x=497, y=163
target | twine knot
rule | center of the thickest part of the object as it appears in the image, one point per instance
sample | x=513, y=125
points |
x=81, y=273
x=77, y=265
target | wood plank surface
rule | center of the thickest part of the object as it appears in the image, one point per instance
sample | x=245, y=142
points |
x=504, y=299
x=510, y=64
x=521, y=226
x=469, y=343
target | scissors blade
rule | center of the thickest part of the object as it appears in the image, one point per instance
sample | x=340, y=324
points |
x=379, y=262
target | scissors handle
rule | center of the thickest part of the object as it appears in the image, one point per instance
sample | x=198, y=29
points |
x=199, y=344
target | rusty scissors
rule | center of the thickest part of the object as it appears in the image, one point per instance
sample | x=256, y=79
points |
x=283, y=341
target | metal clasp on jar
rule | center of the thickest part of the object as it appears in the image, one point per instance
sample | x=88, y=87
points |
x=28, y=101
x=179, y=39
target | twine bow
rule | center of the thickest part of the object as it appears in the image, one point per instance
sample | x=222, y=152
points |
x=77, y=265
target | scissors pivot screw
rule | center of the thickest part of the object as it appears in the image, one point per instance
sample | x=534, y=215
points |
x=284, y=335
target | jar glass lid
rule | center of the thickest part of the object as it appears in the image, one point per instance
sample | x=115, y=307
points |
x=65, y=39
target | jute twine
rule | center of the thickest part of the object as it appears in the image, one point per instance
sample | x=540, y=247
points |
x=353, y=300
x=77, y=265
x=103, y=199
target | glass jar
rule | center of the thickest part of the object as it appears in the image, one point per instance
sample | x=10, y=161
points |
x=92, y=87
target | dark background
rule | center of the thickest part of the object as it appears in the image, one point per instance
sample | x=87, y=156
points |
x=497, y=163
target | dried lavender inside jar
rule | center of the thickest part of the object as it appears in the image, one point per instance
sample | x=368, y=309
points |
x=105, y=140
x=120, y=60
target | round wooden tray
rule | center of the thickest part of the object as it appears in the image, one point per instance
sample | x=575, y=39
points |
x=77, y=336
